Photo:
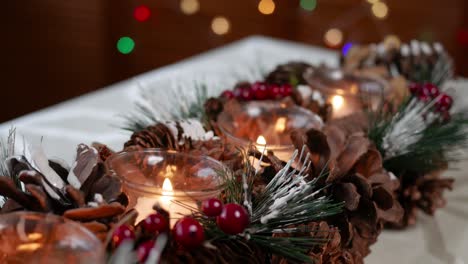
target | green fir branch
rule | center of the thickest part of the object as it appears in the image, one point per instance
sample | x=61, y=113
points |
x=180, y=107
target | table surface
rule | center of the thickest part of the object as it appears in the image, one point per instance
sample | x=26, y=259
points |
x=98, y=117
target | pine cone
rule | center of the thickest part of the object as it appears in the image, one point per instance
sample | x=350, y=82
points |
x=416, y=61
x=291, y=72
x=421, y=192
x=156, y=136
x=84, y=193
x=160, y=136
x=213, y=107
x=357, y=178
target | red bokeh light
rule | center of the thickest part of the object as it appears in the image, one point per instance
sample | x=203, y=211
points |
x=462, y=37
x=142, y=13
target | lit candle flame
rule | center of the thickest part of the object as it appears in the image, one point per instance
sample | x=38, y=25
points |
x=279, y=127
x=337, y=102
x=167, y=186
x=261, y=143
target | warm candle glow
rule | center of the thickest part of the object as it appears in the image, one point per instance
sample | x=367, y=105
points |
x=167, y=186
x=337, y=102
x=261, y=142
x=34, y=236
x=29, y=247
x=280, y=125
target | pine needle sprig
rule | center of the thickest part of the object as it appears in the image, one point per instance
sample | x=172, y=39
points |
x=279, y=216
x=179, y=103
x=436, y=147
x=412, y=138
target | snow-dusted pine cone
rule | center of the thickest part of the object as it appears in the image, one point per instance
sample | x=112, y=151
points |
x=83, y=193
x=291, y=72
x=357, y=178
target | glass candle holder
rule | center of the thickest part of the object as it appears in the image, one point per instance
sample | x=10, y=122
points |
x=347, y=93
x=27, y=237
x=266, y=124
x=176, y=181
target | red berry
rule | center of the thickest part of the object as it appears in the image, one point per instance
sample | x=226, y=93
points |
x=431, y=89
x=286, y=90
x=212, y=207
x=122, y=233
x=260, y=90
x=444, y=103
x=188, y=232
x=274, y=92
x=144, y=250
x=155, y=223
x=414, y=88
x=227, y=94
x=246, y=94
x=233, y=219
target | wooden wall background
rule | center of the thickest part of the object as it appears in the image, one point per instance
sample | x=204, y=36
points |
x=53, y=50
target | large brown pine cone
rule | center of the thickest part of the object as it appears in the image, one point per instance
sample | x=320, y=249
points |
x=160, y=136
x=84, y=193
x=421, y=192
x=357, y=178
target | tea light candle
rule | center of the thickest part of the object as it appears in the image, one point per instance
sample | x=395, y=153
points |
x=347, y=93
x=28, y=237
x=176, y=181
x=267, y=125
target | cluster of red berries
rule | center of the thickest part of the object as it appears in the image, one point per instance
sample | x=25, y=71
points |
x=152, y=225
x=231, y=218
x=188, y=232
x=427, y=92
x=258, y=91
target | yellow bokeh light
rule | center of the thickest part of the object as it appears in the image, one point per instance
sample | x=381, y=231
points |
x=333, y=37
x=337, y=102
x=392, y=42
x=380, y=10
x=220, y=25
x=189, y=7
x=266, y=7
x=372, y=1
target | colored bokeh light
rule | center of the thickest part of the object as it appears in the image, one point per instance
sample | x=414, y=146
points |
x=333, y=37
x=392, y=42
x=346, y=48
x=308, y=5
x=462, y=37
x=380, y=10
x=266, y=7
x=142, y=13
x=220, y=25
x=125, y=45
x=189, y=7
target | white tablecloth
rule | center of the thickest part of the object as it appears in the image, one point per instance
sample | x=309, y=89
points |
x=97, y=117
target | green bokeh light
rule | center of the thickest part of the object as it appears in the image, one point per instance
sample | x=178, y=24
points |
x=308, y=5
x=125, y=45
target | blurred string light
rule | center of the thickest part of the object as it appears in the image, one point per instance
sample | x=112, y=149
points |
x=346, y=48
x=125, y=45
x=266, y=7
x=308, y=5
x=372, y=1
x=333, y=37
x=142, y=13
x=189, y=7
x=380, y=10
x=220, y=25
